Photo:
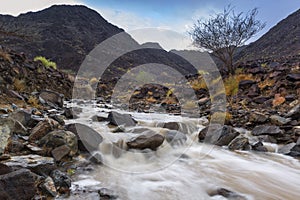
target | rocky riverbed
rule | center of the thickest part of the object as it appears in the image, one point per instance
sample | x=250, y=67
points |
x=89, y=149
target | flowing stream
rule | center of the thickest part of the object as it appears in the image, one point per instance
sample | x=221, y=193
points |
x=190, y=171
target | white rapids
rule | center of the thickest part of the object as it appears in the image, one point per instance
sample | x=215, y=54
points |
x=190, y=171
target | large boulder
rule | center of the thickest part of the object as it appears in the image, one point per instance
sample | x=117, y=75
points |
x=6, y=131
x=147, y=140
x=118, y=119
x=20, y=184
x=217, y=134
x=266, y=130
x=42, y=129
x=59, y=138
x=53, y=99
x=88, y=138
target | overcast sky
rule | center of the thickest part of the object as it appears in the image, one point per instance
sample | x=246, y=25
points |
x=164, y=15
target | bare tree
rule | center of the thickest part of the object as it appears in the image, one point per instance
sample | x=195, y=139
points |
x=224, y=32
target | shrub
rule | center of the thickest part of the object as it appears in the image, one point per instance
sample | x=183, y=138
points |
x=232, y=83
x=5, y=56
x=47, y=63
x=19, y=85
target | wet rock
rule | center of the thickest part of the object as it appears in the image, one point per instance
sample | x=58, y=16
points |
x=72, y=113
x=267, y=138
x=96, y=158
x=230, y=195
x=239, y=143
x=59, y=152
x=294, y=113
x=98, y=118
x=51, y=98
x=37, y=164
x=49, y=187
x=119, y=129
x=88, y=138
x=59, y=138
x=118, y=119
x=42, y=129
x=107, y=194
x=20, y=184
x=286, y=149
x=217, y=134
x=175, y=138
x=172, y=125
x=62, y=181
x=4, y=169
x=6, y=131
x=277, y=120
x=147, y=140
x=266, y=130
x=259, y=146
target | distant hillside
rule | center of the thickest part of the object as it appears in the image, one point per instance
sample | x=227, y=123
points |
x=64, y=34
x=280, y=41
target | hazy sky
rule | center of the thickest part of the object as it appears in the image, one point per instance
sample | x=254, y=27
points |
x=175, y=15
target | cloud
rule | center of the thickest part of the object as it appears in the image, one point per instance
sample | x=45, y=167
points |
x=170, y=35
x=14, y=7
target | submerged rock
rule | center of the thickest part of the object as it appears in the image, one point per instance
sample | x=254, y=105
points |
x=62, y=181
x=230, y=195
x=175, y=137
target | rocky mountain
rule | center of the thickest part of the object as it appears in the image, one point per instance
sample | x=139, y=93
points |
x=63, y=33
x=280, y=41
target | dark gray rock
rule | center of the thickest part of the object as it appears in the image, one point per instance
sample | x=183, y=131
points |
x=118, y=119
x=147, y=140
x=217, y=134
x=277, y=120
x=172, y=125
x=60, y=152
x=4, y=169
x=107, y=194
x=286, y=149
x=22, y=116
x=51, y=98
x=259, y=146
x=20, y=184
x=266, y=130
x=230, y=195
x=62, y=181
x=37, y=164
x=239, y=143
x=96, y=158
x=294, y=113
x=88, y=138
x=293, y=77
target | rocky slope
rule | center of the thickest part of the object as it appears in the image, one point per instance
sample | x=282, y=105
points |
x=280, y=41
x=65, y=34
